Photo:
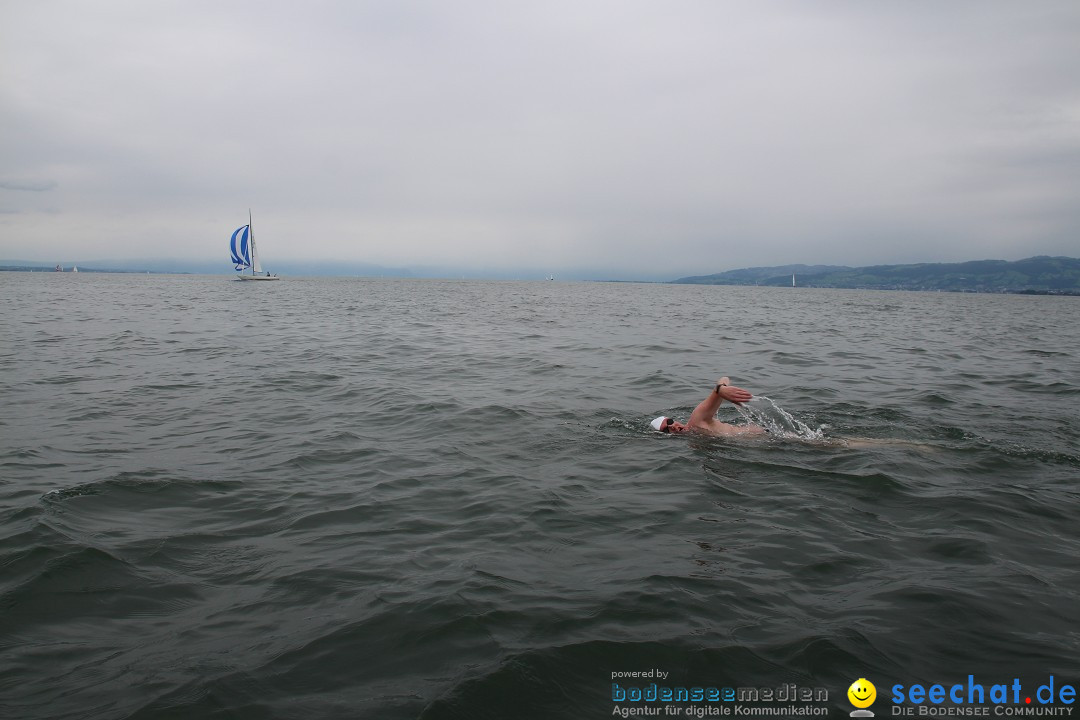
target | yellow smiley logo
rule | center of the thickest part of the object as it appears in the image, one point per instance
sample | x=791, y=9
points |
x=862, y=693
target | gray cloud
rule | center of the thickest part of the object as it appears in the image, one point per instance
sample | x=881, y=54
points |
x=28, y=185
x=660, y=139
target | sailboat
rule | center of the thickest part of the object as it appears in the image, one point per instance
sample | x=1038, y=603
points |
x=244, y=254
x=74, y=268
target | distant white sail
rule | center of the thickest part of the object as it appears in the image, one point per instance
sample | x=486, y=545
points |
x=256, y=266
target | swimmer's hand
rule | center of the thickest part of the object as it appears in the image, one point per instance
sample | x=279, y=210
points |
x=733, y=394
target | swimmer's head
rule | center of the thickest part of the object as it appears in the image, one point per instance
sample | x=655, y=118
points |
x=667, y=425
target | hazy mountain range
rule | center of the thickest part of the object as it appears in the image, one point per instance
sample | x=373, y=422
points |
x=1059, y=275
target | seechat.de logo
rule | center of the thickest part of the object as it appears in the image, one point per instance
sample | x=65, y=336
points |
x=862, y=694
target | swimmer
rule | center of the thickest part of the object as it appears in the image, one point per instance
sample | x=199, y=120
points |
x=703, y=419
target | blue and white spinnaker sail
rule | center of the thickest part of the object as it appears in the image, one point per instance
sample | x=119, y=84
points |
x=241, y=251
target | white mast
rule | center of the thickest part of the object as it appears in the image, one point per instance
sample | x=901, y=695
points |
x=251, y=232
x=255, y=266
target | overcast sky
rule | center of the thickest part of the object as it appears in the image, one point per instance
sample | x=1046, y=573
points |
x=645, y=138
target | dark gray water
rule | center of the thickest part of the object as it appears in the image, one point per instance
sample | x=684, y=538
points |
x=343, y=498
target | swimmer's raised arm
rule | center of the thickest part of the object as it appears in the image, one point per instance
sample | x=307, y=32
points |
x=705, y=412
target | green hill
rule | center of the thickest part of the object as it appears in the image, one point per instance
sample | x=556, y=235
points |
x=1051, y=275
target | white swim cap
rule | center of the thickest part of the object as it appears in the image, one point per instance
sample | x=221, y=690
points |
x=658, y=422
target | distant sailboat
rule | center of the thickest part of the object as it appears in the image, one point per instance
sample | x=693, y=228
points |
x=74, y=268
x=792, y=279
x=244, y=254
x=59, y=268
x=551, y=277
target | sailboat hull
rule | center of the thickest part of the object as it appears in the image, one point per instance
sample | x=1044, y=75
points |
x=257, y=277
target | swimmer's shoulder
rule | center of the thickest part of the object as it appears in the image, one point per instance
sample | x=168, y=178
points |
x=723, y=429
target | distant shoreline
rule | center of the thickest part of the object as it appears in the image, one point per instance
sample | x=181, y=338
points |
x=1041, y=275
x=45, y=269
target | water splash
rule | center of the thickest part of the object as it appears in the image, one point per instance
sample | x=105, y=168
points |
x=779, y=422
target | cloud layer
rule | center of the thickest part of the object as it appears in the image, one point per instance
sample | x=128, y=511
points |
x=650, y=139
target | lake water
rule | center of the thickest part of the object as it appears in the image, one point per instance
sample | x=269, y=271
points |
x=351, y=498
